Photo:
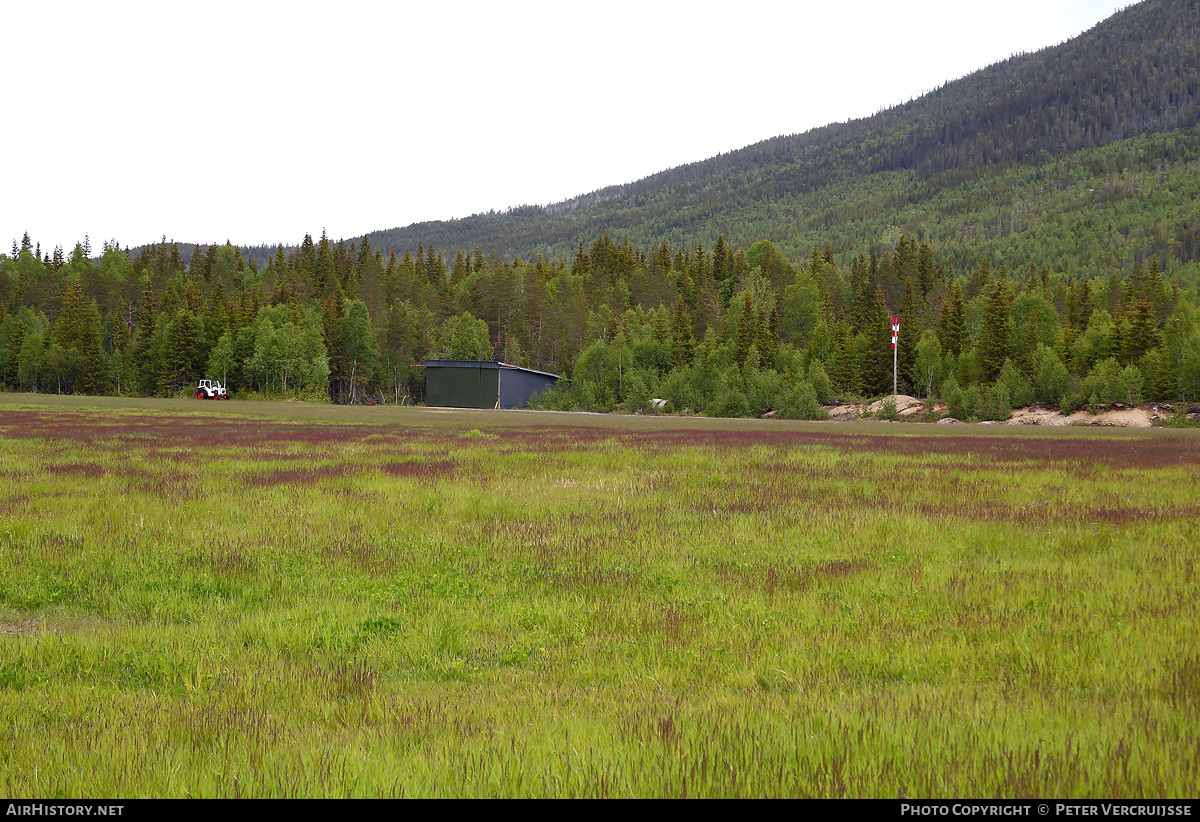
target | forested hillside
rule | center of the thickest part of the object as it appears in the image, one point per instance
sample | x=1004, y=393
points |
x=984, y=160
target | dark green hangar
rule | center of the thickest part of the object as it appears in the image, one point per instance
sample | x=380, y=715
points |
x=481, y=384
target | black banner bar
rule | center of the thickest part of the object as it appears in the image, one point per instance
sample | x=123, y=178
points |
x=132, y=809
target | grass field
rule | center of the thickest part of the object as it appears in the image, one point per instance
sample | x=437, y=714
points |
x=292, y=600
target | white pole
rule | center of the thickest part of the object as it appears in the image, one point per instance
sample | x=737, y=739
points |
x=895, y=349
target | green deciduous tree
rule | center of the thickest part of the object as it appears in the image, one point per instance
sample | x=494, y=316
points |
x=1051, y=380
x=927, y=363
x=464, y=338
x=358, y=349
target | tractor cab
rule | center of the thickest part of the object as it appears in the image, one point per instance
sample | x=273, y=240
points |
x=211, y=390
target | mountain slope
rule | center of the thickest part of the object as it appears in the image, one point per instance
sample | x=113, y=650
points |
x=1134, y=74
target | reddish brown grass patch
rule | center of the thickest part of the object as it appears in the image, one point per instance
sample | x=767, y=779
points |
x=419, y=470
x=296, y=476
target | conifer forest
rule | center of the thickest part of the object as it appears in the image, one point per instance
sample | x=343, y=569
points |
x=719, y=331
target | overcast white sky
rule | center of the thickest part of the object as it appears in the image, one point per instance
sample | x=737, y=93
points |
x=258, y=122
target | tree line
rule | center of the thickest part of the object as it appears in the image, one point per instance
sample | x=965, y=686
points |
x=721, y=330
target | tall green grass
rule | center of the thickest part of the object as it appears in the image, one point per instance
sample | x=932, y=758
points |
x=439, y=605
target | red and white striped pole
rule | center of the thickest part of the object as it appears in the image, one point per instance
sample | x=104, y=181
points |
x=895, y=334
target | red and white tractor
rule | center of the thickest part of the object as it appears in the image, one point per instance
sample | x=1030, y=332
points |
x=211, y=390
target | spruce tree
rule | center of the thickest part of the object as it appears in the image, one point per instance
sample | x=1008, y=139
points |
x=981, y=280
x=1165, y=386
x=862, y=290
x=118, y=334
x=925, y=269
x=1142, y=331
x=324, y=268
x=1159, y=294
x=683, y=343
x=93, y=376
x=331, y=326
x=745, y=330
x=184, y=358
x=996, y=334
x=16, y=338
x=1114, y=292
x=720, y=271
x=877, y=360
x=952, y=324
x=911, y=324
x=419, y=263
x=769, y=343
x=845, y=372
